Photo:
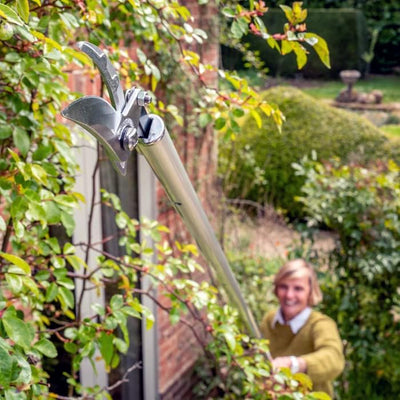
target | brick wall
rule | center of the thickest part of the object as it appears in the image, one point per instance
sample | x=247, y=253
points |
x=178, y=349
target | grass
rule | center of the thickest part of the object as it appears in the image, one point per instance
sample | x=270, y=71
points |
x=391, y=130
x=388, y=84
x=321, y=89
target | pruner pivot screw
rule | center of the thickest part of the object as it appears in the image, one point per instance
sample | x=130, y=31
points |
x=143, y=98
x=129, y=138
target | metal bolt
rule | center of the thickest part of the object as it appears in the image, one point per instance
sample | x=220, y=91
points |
x=129, y=138
x=143, y=98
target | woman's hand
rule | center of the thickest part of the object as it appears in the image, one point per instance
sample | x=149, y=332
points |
x=286, y=362
x=282, y=362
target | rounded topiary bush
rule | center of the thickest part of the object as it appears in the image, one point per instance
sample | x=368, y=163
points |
x=257, y=166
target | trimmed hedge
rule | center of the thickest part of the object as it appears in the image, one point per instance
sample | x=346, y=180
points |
x=258, y=165
x=387, y=49
x=345, y=31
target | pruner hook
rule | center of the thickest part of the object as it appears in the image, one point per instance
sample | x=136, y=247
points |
x=117, y=125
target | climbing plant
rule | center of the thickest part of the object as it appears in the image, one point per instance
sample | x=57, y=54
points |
x=39, y=266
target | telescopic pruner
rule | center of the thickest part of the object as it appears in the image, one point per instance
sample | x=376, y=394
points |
x=125, y=125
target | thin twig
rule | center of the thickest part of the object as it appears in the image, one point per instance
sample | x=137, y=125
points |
x=124, y=377
x=89, y=235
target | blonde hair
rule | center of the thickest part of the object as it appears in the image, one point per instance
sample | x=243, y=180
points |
x=299, y=268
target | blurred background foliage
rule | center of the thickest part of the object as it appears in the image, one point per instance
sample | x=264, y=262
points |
x=258, y=164
x=348, y=27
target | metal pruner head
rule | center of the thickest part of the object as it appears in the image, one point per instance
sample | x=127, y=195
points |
x=114, y=125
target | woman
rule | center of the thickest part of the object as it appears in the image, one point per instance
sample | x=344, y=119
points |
x=300, y=338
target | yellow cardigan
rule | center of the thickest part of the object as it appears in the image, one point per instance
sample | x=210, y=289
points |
x=318, y=342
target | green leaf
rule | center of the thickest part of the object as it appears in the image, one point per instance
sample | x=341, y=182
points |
x=220, y=123
x=121, y=219
x=18, y=208
x=115, y=361
x=58, y=262
x=131, y=312
x=36, y=213
x=98, y=309
x=39, y=173
x=68, y=222
x=46, y=347
x=288, y=12
x=155, y=72
x=51, y=292
x=5, y=184
x=66, y=282
x=238, y=112
x=303, y=379
x=121, y=345
x=25, y=375
x=18, y=331
x=66, y=297
x=300, y=52
x=239, y=28
x=106, y=347
x=42, y=276
x=256, y=117
x=23, y=9
x=66, y=200
x=230, y=339
x=21, y=140
x=273, y=43
x=204, y=120
x=228, y=12
x=76, y=262
x=5, y=131
x=5, y=367
x=19, y=229
x=71, y=347
x=286, y=47
x=149, y=319
x=69, y=20
x=298, y=13
x=141, y=56
x=31, y=287
x=10, y=15
x=19, y=262
x=71, y=333
x=116, y=302
x=14, y=282
x=69, y=249
x=42, y=152
x=320, y=47
x=53, y=213
x=174, y=316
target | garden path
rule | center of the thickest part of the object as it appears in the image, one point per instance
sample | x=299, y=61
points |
x=270, y=236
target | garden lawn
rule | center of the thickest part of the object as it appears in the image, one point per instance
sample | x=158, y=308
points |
x=388, y=84
x=391, y=130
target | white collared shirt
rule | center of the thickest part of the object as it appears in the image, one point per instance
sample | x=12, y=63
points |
x=295, y=323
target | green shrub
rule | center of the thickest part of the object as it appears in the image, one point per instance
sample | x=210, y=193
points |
x=361, y=289
x=255, y=275
x=258, y=164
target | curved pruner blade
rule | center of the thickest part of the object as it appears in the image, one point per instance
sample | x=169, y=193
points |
x=99, y=118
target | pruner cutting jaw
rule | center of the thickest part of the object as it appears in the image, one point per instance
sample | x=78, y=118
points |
x=119, y=125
